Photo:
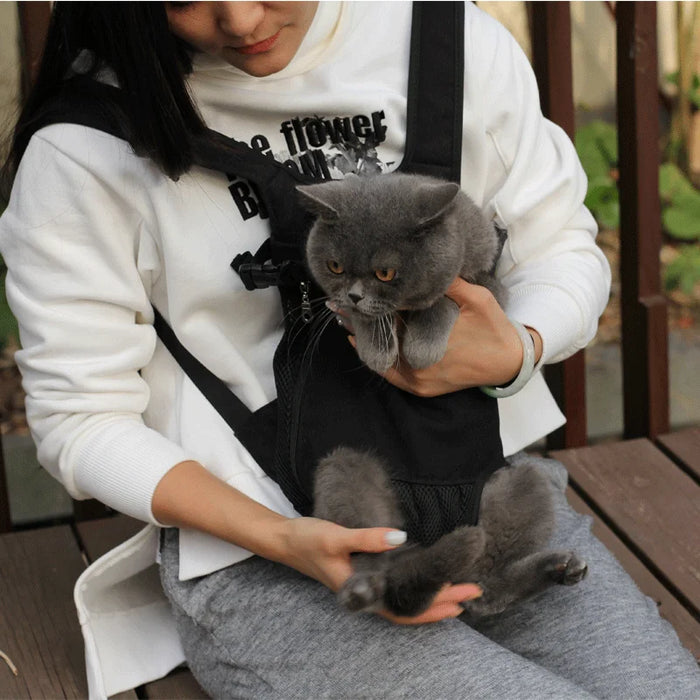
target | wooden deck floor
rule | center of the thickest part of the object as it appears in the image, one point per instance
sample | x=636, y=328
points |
x=645, y=499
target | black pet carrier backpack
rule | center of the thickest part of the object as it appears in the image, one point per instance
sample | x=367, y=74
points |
x=439, y=450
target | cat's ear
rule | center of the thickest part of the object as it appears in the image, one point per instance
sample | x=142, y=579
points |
x=314, y=199
x=434, y=198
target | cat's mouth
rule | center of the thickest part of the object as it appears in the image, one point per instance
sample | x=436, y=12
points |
x=371, y=310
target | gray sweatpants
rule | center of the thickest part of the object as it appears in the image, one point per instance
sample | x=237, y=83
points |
x=261, y=630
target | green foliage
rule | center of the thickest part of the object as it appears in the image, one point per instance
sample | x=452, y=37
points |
x=684, y=272
x=672, y=182
x=693, y=91
x=596, y=145
x=8, y=324
x=681, y=218
x=680, y=202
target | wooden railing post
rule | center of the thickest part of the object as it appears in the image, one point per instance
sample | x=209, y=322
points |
x=5, y=520
x=644, y=315
x=33, y=22
x=551, y=58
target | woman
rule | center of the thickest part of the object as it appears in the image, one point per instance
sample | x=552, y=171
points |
x=95, y=234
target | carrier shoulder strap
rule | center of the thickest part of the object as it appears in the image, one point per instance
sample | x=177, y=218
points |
x=435, y=91
x=433, y=147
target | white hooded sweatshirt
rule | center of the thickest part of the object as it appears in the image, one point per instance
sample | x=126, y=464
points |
x=93, y=235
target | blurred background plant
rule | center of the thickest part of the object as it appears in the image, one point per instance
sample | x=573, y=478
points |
x=679, y=173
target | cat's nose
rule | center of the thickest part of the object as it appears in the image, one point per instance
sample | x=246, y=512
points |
x=355, y=297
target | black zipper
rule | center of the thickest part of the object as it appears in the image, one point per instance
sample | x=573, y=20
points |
x=306, y=316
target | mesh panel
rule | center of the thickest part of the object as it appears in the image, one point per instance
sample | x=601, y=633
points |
x=432, y=511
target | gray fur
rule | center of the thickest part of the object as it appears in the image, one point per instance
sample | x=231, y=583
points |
x=505, y=553
x=428, y=230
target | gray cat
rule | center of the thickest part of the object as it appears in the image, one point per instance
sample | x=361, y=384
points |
x=389, y=243
x=385, y=249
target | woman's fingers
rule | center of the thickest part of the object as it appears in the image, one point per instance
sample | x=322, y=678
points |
x=458, y=593
x=463, y=293
x=435, y=613
x=373, y=539
x=444, y=606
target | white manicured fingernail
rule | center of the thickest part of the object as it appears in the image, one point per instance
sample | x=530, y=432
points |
x=332, y=306
x=395, y=537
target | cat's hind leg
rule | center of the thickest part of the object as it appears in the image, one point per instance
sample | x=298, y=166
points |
x=525, y=578
x=352, y=488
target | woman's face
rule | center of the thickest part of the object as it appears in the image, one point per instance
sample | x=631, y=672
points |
x=260, y=38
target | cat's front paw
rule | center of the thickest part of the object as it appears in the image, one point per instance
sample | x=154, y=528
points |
x=378, y=360
x=569, y=570
x=424, y=340
x=376, y=343
x=423, y=352
x=363, y=591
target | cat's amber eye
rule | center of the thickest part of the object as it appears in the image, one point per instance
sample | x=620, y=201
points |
x=335, y=267
x=385, y=274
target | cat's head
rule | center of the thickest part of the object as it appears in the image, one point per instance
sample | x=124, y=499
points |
x=383, y=243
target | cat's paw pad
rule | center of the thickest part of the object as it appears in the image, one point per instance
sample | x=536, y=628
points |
x=362, y=591
x=569, y=571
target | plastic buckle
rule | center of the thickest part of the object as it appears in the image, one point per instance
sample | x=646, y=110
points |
x=255, y=275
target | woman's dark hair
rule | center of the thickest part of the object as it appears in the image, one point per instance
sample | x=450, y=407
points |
x=148, y=62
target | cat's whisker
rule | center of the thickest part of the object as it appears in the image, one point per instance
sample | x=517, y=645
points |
x=388, y=324
x=384, y=339
x=320, y=323
x=317, y=338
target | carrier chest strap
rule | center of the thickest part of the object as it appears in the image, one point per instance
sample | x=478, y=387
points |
x=226, y=403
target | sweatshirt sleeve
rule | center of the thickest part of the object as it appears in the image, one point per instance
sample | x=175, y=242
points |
x=558, y=279
x=71, y=244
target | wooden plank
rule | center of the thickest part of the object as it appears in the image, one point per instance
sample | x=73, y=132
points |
x=34, y=18
x=683, y=446
x=644, y=325
x=567, y=381
x=39, y=627
x=551, y=60
x=99, y=536
x=5, y=519
x=90, y=509
x=651, y=504
x=686, y=626
x=178, y=685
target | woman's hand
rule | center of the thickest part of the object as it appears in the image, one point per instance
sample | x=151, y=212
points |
x=484, y=348
x=318, y=548
x=321, y=549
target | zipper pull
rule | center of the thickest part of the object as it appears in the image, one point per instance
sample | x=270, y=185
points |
x=306, y=313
